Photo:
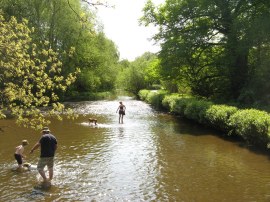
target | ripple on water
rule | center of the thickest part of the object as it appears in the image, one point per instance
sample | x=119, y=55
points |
x=151, y=157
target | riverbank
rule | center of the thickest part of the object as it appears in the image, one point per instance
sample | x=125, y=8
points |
x=252, y=125
x=84, y=96
x=76, y=96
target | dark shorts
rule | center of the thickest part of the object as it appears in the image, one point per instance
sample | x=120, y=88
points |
x=45, y=161
x=18, y=158
x=121, y=112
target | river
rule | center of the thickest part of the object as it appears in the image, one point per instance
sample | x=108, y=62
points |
x=152, y=156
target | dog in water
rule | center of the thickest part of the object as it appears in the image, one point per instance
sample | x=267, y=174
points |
x=91, y=120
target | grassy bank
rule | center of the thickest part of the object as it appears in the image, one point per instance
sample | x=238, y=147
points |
x=252, y=125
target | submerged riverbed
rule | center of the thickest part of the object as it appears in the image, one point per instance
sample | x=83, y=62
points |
x=151, y=157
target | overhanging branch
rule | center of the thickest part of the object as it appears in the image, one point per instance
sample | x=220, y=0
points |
x=91, y=4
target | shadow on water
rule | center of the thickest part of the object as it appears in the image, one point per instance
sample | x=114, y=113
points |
x=43, y=186
x=40, y=192
x=197, y=129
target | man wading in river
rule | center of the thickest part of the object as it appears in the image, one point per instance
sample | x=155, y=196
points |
x=48, y=146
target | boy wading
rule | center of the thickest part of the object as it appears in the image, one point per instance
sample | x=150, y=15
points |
x=19, y=153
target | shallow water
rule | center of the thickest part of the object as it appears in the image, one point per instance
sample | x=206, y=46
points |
x=151, y=157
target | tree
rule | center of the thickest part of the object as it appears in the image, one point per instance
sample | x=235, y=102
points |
x=142, y=73
x=66, y=24
x=97, y=57
x=208, y=42
x=30, y=78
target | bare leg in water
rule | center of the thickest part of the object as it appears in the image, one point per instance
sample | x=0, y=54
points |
x=42, y=173
x=50, y=174
x=121, y=118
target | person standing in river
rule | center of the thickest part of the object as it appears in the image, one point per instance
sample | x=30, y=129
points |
x=121, y=109
x=48, y=146
x=19, y=153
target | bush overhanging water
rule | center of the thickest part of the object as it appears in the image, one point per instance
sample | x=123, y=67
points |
x=250, y=124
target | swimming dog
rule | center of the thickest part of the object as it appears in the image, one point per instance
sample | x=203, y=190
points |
x=91, y=120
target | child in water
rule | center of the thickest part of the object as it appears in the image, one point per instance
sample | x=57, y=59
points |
x=19, y=153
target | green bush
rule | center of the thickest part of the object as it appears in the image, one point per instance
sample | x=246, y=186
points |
x=169, y=101
x=181, y=105
x=252, y=125
x=155, y=98
x=196, y=110
x=143, y=94
x=176, y=103
x=218, y=116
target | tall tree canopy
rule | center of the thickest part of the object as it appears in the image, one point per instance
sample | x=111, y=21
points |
x=142, y=73
x=66, y=24
x=211, y=44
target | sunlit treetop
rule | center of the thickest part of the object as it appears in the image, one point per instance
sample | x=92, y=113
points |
x=30, y=77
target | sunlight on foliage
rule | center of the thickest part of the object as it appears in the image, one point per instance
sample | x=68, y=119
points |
x=30, y=78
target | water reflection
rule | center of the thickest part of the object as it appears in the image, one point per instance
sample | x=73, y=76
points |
x=121, y=132
x=151, y=157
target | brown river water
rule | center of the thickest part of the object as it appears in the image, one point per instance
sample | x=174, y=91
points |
x=153, y=156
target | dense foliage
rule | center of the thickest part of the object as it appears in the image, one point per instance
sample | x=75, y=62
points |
x=139, y=74
x=37, y=40
x=216, y=48
x=29, y=77
x=71, y=23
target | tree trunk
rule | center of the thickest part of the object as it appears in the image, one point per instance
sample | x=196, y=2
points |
x=239, y=74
